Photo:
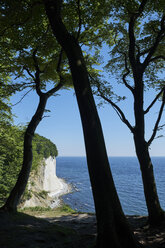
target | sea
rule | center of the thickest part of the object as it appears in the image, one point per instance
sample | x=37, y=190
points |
x=127, y=178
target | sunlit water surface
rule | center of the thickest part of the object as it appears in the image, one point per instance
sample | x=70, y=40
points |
x=127, y=177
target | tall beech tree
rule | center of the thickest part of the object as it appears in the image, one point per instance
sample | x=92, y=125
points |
x=113, y=229
x=137, y=58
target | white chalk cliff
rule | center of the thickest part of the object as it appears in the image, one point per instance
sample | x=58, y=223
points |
x=44, y=186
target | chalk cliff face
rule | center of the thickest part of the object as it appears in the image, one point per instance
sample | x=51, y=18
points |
x=51, y=182
x=44, y=187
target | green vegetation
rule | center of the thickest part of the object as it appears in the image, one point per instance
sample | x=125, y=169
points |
x=43, y=193
x=42, y=42
x=136, y=60
x=48, y=212
x=44, y=146
x=10, y=159
x=11, y=156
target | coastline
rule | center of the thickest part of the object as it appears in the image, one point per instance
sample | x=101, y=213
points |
x=127, y=178
x=44, y=187
x=64, y=189
x=55, y=186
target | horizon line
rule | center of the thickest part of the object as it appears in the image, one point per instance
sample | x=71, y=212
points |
x=110, y=156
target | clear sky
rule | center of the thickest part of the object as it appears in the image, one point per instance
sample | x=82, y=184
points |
x=63, y=126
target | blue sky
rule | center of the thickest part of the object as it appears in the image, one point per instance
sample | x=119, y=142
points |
x=63, y=126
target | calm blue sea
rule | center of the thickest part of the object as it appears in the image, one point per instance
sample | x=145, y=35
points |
x=127, y=177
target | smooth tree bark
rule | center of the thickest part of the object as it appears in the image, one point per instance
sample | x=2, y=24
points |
x=19, y=188
x=112, y=227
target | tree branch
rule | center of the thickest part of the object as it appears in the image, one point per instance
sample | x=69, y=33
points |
x=55, y=89
x=138, y=53
x=37, y=74
x=115, y=106
x=28, y=71
x=119, y=112
x=127, y=69
x=141, y=7
x=158, y=120
x=12, y=105
x=157, y=57
x=80, y=19
x=159, y=37
x=58, y=69
x=126, y=74
x=153, y=102
x=35, y=61
x=132, y=41
x=144, y=52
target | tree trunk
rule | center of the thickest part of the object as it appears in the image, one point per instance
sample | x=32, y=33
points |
x=155, y=211
x=113, y=229
x=112, y=226
x=16, y=193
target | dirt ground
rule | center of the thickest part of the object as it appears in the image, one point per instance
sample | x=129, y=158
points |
x=71, y=231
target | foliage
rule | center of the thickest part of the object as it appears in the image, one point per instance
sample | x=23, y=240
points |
x=43, y=194
x=25, y=29
x=67, y=209
x=11, y=158
x=36, y=209
x=29, y=47
x=137, y=60
x=138, y=49
x=11, y=155
x=44, y=146
x=49, y=212
x=27, y=194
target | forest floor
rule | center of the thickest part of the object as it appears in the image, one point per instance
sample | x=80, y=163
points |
x=66, y=229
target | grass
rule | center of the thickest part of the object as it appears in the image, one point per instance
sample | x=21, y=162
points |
x=48, y=212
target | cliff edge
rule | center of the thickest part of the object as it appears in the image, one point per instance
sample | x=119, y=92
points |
x=44, y=187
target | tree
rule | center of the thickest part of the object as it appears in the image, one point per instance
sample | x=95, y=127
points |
x=44, y=147
x=137, y=57
x=10, y=158
x=9, y=138
x=112, y=226
x=35, y=55
x=11, y=154
x=27, y=37
x=19, y=188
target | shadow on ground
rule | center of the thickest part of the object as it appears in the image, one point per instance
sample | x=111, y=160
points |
x=72, y=231
x=24, y=231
